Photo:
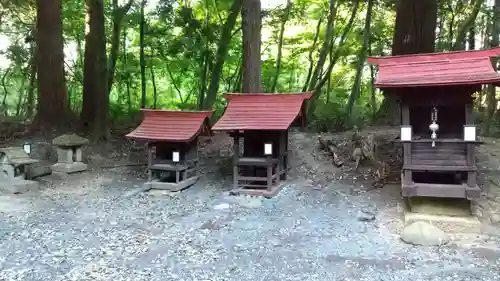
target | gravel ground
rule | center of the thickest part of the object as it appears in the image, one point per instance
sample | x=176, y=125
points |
x=86, y=228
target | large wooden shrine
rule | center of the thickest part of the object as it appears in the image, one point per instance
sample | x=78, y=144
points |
x=438, y=133
x=262, y=121
x=172, y=140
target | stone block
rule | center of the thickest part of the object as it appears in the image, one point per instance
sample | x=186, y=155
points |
x=39, y=169
x=69, y=168
x=64, y=155
x=70, y=140
x=18, y=186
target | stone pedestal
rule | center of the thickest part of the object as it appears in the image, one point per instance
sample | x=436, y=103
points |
x=69, y=154
x=18, y=186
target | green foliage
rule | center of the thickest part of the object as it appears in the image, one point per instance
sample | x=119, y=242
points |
x=181, y=42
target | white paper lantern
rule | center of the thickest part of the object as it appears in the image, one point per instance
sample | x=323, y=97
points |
x=406, y=133
x=27, y=148
x=268, y=149
x=469, y=133
x=175, y=156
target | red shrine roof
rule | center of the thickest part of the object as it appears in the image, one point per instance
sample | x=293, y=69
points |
x=172, y=126
x=261, y=111
x=437, y=69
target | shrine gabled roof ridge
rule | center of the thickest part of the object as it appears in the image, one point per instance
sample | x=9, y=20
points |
x=171, y=125
x=261, y=111
x=392, y=64
x=176, y=111
x=437, y=69
x=455, y=55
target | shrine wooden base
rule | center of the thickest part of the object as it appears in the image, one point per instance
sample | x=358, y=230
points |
x=268, y=185
x=441, y=190
x=449, y=215
x=267, y=193
x=170, y=186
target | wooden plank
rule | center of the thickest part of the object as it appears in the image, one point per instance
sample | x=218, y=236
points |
x=256, y=161
x=407, y=177
x=436, y=162
x=407, y=153
x=434, y=190
x=171, y=186
x=236, y=155
x=150, y=162
x=438, y=140
x=439, y=156
x=169, y=167
x=263, y=186
x=284, y=153
x=438, y=168
x=245, y=178
x=471, y=155
x=471, y=178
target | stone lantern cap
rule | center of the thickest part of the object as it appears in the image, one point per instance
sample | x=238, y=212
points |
x=70, y=140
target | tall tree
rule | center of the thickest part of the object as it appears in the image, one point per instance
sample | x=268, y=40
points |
x=491, y=90
x=280, y=44
x=222, y=49
x=325, y=47
x=334, y=58
x=466, y=25
x=53, y=110
x=94, y=114
x=118, y=15
x=251, y=26
x=356, y=89
x=142, y=58
x=415, y=32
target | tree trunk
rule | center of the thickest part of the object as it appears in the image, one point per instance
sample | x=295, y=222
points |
x=222, y=49
x=95, y=91
x=472, y=38
x=251, y=26
x=205, y=54
x=373, y=100
x=53, y=111
x=118, y=15
x=440, y=44
x=125, y=72
x=491, y=90
x=30, y=99
x=280, y=45
x=155, y=94
x=415, y=32
x=311, y=61
x=21, y=94
x=356, y=89
x=325, y=47
x=5, y=108
x=466, y=26
x=333, y=61
x=142, y=58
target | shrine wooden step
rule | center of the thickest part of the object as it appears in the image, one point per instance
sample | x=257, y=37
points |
x=440, y=168
x=440, y=190
x=169, y=167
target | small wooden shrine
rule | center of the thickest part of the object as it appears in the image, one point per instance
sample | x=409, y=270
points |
x=172, y=141
x=438, y=133
x=262, y=122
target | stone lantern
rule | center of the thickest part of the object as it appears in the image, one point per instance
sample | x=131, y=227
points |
x=69, y=154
